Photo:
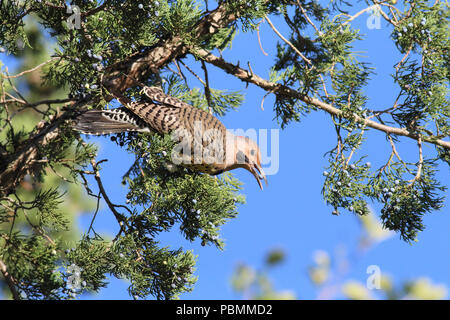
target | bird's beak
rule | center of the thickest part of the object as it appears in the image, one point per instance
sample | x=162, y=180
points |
x=258, y=173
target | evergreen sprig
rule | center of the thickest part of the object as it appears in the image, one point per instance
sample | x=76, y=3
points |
x=45, y=165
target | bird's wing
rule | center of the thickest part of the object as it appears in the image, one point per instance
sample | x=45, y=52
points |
x=156, y=94
x=161, y=118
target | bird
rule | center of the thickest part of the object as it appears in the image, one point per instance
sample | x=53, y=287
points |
x=204, y=143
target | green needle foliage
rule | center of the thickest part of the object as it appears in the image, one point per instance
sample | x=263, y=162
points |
x=75, y=55
x=34, y=244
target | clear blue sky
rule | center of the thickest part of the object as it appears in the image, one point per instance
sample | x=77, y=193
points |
x=290, y=213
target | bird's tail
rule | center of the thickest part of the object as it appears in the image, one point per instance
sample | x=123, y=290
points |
x=117, y=120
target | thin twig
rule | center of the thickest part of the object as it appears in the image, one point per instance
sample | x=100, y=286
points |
x=356, y=15
x=384, y=15
x=180, y=73
x=95, y=214
x=307, y=18
x=420, y=165
x=398, y=65
x=354, y=148
x=32, y=69
x=207, y=88
x=259, y=39
x=119, y=217
x=12, y=85
x=287, y=41
x=193, y=73
x=376, y=113
x=262, y=101
x=394, y=149
x=391, y=156
x=391, y=10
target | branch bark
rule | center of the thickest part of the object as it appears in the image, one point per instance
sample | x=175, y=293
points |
x=13, y=167
x=141, y=65
x=10, y=281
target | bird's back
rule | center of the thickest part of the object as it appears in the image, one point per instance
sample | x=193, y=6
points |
x=201, y=136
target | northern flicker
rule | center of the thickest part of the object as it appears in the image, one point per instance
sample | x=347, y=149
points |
x=205, y=145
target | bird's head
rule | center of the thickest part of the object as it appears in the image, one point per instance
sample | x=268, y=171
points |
x=248, y=156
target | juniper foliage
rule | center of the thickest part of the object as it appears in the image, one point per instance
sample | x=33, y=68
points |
x=94, y=43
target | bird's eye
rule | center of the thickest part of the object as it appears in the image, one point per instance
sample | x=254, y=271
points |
x=242, y=158
x=252, y=152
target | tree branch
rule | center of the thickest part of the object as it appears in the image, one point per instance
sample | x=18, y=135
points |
x=14, y=166
x=32, y=69
x=287, y=41
x=141, y=65
x=286, y=91
x=10, y=281
x=119, y=217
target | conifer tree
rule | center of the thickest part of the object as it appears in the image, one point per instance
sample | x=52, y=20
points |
x=102, y=47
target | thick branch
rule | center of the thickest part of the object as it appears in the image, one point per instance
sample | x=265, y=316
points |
x=14, y=166
x=280, y=89
x=141, y=65
x=10, y=281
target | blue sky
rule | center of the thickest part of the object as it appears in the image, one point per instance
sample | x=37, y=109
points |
x=290, y=213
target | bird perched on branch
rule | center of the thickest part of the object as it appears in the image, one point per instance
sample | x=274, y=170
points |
x=204, y=144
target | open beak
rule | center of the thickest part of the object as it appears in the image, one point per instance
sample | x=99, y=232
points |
x=258, y=173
